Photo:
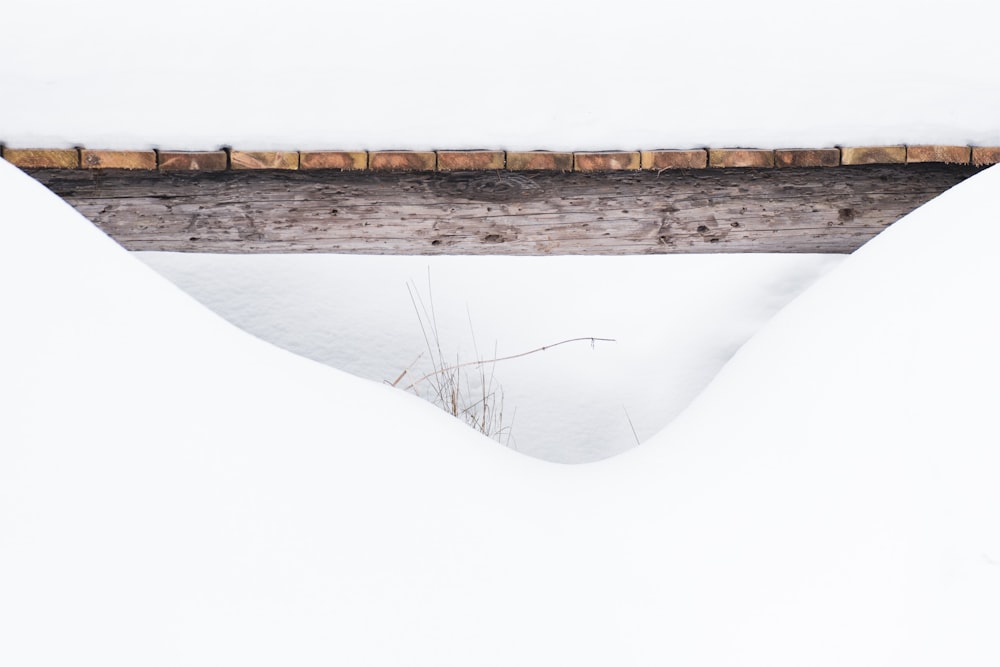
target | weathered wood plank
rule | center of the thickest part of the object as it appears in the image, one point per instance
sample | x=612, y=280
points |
x=535, y=213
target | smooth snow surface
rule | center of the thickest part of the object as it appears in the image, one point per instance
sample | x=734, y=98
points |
x=522, y=74
x=675, y=319
x=174, y=491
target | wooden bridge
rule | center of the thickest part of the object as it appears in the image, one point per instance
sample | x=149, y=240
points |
x=496, y=202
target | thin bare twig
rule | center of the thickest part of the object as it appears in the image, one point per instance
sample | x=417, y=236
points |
x=405, y=371
x=481, y=362
x=631, y=426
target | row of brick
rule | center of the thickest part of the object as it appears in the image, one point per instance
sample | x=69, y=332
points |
x=447, y=160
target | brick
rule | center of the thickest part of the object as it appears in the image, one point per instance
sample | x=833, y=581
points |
x=807, y=157
x=342, y=160
x=97, y=159
x=264, y=159
x=402, y=160
x=539, y=161
x=984, y=155
x=674, y=159
x=470, y=160
x=873, y=155
x=740, y=157
x=43, y=158
x=948, y=154
x=193, y=160
x=606, y=161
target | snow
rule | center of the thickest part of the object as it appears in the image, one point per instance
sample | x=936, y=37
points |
x=675, y=320
x=197, y=74
x=177, y=491
x=174, y=490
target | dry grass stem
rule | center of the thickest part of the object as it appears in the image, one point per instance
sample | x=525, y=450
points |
x=477, y=400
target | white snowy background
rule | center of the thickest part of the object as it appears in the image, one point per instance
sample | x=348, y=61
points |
x=176, y=491
x=520, y=74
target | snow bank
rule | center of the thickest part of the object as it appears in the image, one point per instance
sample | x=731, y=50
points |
x=525, y=74
x=173, y=491
x=858, y=430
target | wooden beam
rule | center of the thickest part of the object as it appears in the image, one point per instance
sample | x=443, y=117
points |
x=826, y=210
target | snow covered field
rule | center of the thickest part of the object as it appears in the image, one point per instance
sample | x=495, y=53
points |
x=174, y=491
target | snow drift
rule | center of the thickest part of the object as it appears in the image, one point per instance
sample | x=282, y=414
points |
x=174, y=491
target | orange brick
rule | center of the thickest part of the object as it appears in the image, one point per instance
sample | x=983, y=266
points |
x=43, y=158
x=470, y=160
x=342, y=160
x=402, y=160
x=740, y=157
x=264, y=159
x=606, y=161
x=949, y=154
x=807, y=157
x=91, y=159
x=984, y=155
x=192, y=160
x=539, y=161
x=674, y=159
x=873, y=155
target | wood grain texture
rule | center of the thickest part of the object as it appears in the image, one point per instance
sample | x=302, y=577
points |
x=264, y=159
x=807, y=157
x=402, y=160
x=470, y=160
x=985, y=155
x=949, y=154
x=606, y=161
x=855, y=155
x=722, y=158
x=539, y=161
x=633, y=212
x=193, y=160
x=42, y=158
x=674, y=159
x=100, y=159
x=341, y=160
